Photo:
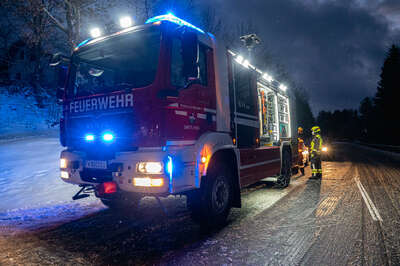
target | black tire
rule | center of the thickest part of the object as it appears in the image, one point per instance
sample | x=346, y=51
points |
x=122, y=201
x=210, y=206
x=283, y=180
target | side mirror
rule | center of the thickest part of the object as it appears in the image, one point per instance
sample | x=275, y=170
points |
x=60, y=93
x=190, y=54
x=59, y=59
x=62, y=73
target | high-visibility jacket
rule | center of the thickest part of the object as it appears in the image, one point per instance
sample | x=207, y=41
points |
x=316, y=144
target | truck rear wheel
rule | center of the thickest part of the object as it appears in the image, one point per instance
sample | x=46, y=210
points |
x=122, y=201
x=283, y=180
x=211, y=205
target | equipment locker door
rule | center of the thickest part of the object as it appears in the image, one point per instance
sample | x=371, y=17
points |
x=244, y=109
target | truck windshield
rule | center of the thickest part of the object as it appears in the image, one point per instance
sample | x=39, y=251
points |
x=121, y=62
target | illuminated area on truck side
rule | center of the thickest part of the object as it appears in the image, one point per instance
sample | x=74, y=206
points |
x=171, y=18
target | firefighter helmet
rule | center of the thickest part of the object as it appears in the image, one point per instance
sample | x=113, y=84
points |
x=300, y=130
x=315, y=129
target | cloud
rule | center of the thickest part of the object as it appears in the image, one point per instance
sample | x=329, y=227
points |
x=333, y=48
x=391, y=11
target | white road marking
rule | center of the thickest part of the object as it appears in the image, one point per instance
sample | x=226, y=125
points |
x=370, y=205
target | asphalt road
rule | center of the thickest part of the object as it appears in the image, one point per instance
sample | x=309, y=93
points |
x=350, y=217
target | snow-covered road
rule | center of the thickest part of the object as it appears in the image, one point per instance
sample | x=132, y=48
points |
x=312, y=222
x=29, y=174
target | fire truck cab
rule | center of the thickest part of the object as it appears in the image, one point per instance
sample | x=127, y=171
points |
x=162, y=109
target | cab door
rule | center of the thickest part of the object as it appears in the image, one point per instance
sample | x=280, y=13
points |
x=194, y=107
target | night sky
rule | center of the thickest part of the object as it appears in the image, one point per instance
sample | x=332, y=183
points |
x=335, y=49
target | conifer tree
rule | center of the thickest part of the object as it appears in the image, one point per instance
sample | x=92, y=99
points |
x=387, y=98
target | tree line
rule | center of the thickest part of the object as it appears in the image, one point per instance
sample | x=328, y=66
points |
x=377, y=120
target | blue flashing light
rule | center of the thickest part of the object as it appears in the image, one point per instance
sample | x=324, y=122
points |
x=170, y=169
x=82, y=43
x=172, y=18
x=169, y=166
x=89, y=137
x=108, y=137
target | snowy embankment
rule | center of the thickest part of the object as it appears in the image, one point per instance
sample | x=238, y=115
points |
x=21, y=117
x=31, y=187
x=30, y=183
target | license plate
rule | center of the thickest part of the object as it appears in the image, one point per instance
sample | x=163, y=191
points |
x=96, y=164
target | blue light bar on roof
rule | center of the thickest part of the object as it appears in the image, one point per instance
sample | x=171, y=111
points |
x=170, y=17
x=82, y=43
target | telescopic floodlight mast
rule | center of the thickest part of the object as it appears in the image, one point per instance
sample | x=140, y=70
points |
x=250, y=41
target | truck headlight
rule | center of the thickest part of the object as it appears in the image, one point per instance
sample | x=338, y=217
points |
x=148, y=182
x=64, y=174
x=150, y=167
x=63, y=163
x=324, y=149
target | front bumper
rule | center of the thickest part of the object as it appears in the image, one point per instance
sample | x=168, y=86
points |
x=122, y=169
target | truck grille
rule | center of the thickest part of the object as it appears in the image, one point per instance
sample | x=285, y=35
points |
x=96, y=176
x=122, y=125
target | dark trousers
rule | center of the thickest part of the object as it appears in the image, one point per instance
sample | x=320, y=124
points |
x=316, y=168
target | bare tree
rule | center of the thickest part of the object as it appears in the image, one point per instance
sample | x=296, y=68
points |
x=34, y=28
x=69, y=15
x=7, y=36
x=212, y=23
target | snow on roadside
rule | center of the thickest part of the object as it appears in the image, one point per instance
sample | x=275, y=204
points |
x=20, y=116
x=27, y=220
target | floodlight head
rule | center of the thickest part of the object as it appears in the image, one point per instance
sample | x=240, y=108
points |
x=282, y=87
x=95, y=32
x=250, y=40
x=125, y=22
x=267, y=77
x=239, y=59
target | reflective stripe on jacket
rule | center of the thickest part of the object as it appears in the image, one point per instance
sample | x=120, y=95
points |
x=316, y=143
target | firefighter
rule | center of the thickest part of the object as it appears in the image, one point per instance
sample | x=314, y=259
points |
x=301, y=148
x=315, y=149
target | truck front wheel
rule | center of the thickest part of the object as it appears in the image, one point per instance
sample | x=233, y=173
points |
x=211, y=205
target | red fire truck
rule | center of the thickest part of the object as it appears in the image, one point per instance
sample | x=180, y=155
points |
x=163, y=109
